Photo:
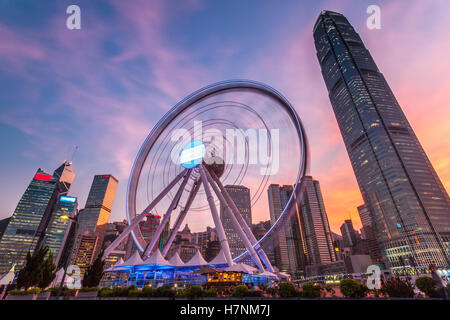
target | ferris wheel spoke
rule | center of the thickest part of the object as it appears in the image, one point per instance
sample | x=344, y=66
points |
x=219, y=227
x=241, y=220
x=181, y=216
x=166, y=217
x=236, y=225
x=133, y=224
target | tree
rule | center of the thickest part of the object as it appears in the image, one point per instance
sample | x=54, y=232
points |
x=94, y=272
x=287, y=290
x=352, y=289
x=31, y=273
x=397, y=288
x=427, y=285
x=310, y=290
x=47, y=272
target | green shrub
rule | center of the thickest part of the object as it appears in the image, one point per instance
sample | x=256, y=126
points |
x=209, y=293
x=255, y=293
x=120, y=292
x=134, y=293
x=165, y=291
x=396, y=288
x=287, y=290
x=24, y=292
x=351, y=288
x=90, y=289
x=427, y=285
x=272, y=291
x=105, y=292
x=240, y=291
x=195, y=291
x=310, y=290
x=182, y=293
x=148, y=291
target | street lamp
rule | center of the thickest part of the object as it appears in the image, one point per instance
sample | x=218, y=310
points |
x=75, y=229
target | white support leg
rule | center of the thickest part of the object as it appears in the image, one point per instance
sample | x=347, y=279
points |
x=219, y=227
x=134, y=223
x=242, y=222
x=166, y=217
x=181, y=217
x=235, y=222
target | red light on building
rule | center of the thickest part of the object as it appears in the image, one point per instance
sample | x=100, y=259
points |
x=44, y=177
x=107, y=176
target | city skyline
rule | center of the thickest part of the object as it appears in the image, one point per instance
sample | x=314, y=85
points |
x=25, y=120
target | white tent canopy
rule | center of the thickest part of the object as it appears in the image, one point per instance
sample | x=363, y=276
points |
x=196, y=260
x=58, y=278
x=8, y=277
x=156, y=258
x=176, y=260
x=268, y=274
x=219, y=259
x=241, y=267
x=131, y=261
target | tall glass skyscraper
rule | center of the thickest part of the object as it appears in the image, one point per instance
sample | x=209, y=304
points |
x=241, y=197
x=93, y=220
x=318, y=240
x=26, y=229
x=59, y=227
x=408, y=204
x=289, y=253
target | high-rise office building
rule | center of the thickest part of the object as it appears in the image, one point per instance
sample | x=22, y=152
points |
x=289, y=253
x=408, y=203
x=59, y=227
x=93, y=220
x=348, y=233
x=241, y=197
x=314, y=222
x=26, y=228
x=366, y=220
x=3, y=225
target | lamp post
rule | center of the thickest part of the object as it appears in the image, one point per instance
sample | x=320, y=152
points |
x=75, y=229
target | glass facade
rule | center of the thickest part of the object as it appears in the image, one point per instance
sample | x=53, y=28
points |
x=289, y=253
x=241, y=197
x=28, y=224
x=59, y=227
x=408, y=204
x=93, y=219
x=318, y=240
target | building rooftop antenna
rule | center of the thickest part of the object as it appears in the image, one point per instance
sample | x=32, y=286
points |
x=73, y=154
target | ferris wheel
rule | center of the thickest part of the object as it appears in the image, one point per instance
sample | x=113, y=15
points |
x=231, y=133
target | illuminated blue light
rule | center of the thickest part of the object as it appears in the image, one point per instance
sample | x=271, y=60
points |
x=192, y=154
x=68, y=199
x=399, y=226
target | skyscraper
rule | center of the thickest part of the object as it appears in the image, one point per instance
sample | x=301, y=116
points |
x=241, y=197
x=316, y=229
x=408, y=204
x=366, y=220
x=93, y=220
x=348, y=233
x=289, y=253
x=59, y=226
x=26, y=229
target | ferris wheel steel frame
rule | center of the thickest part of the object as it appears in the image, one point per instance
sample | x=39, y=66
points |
x=254, y=247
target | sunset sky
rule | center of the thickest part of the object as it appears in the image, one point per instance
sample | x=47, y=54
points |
x=104, y=87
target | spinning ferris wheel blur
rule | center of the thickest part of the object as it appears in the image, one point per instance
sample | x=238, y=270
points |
x=236, y=132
